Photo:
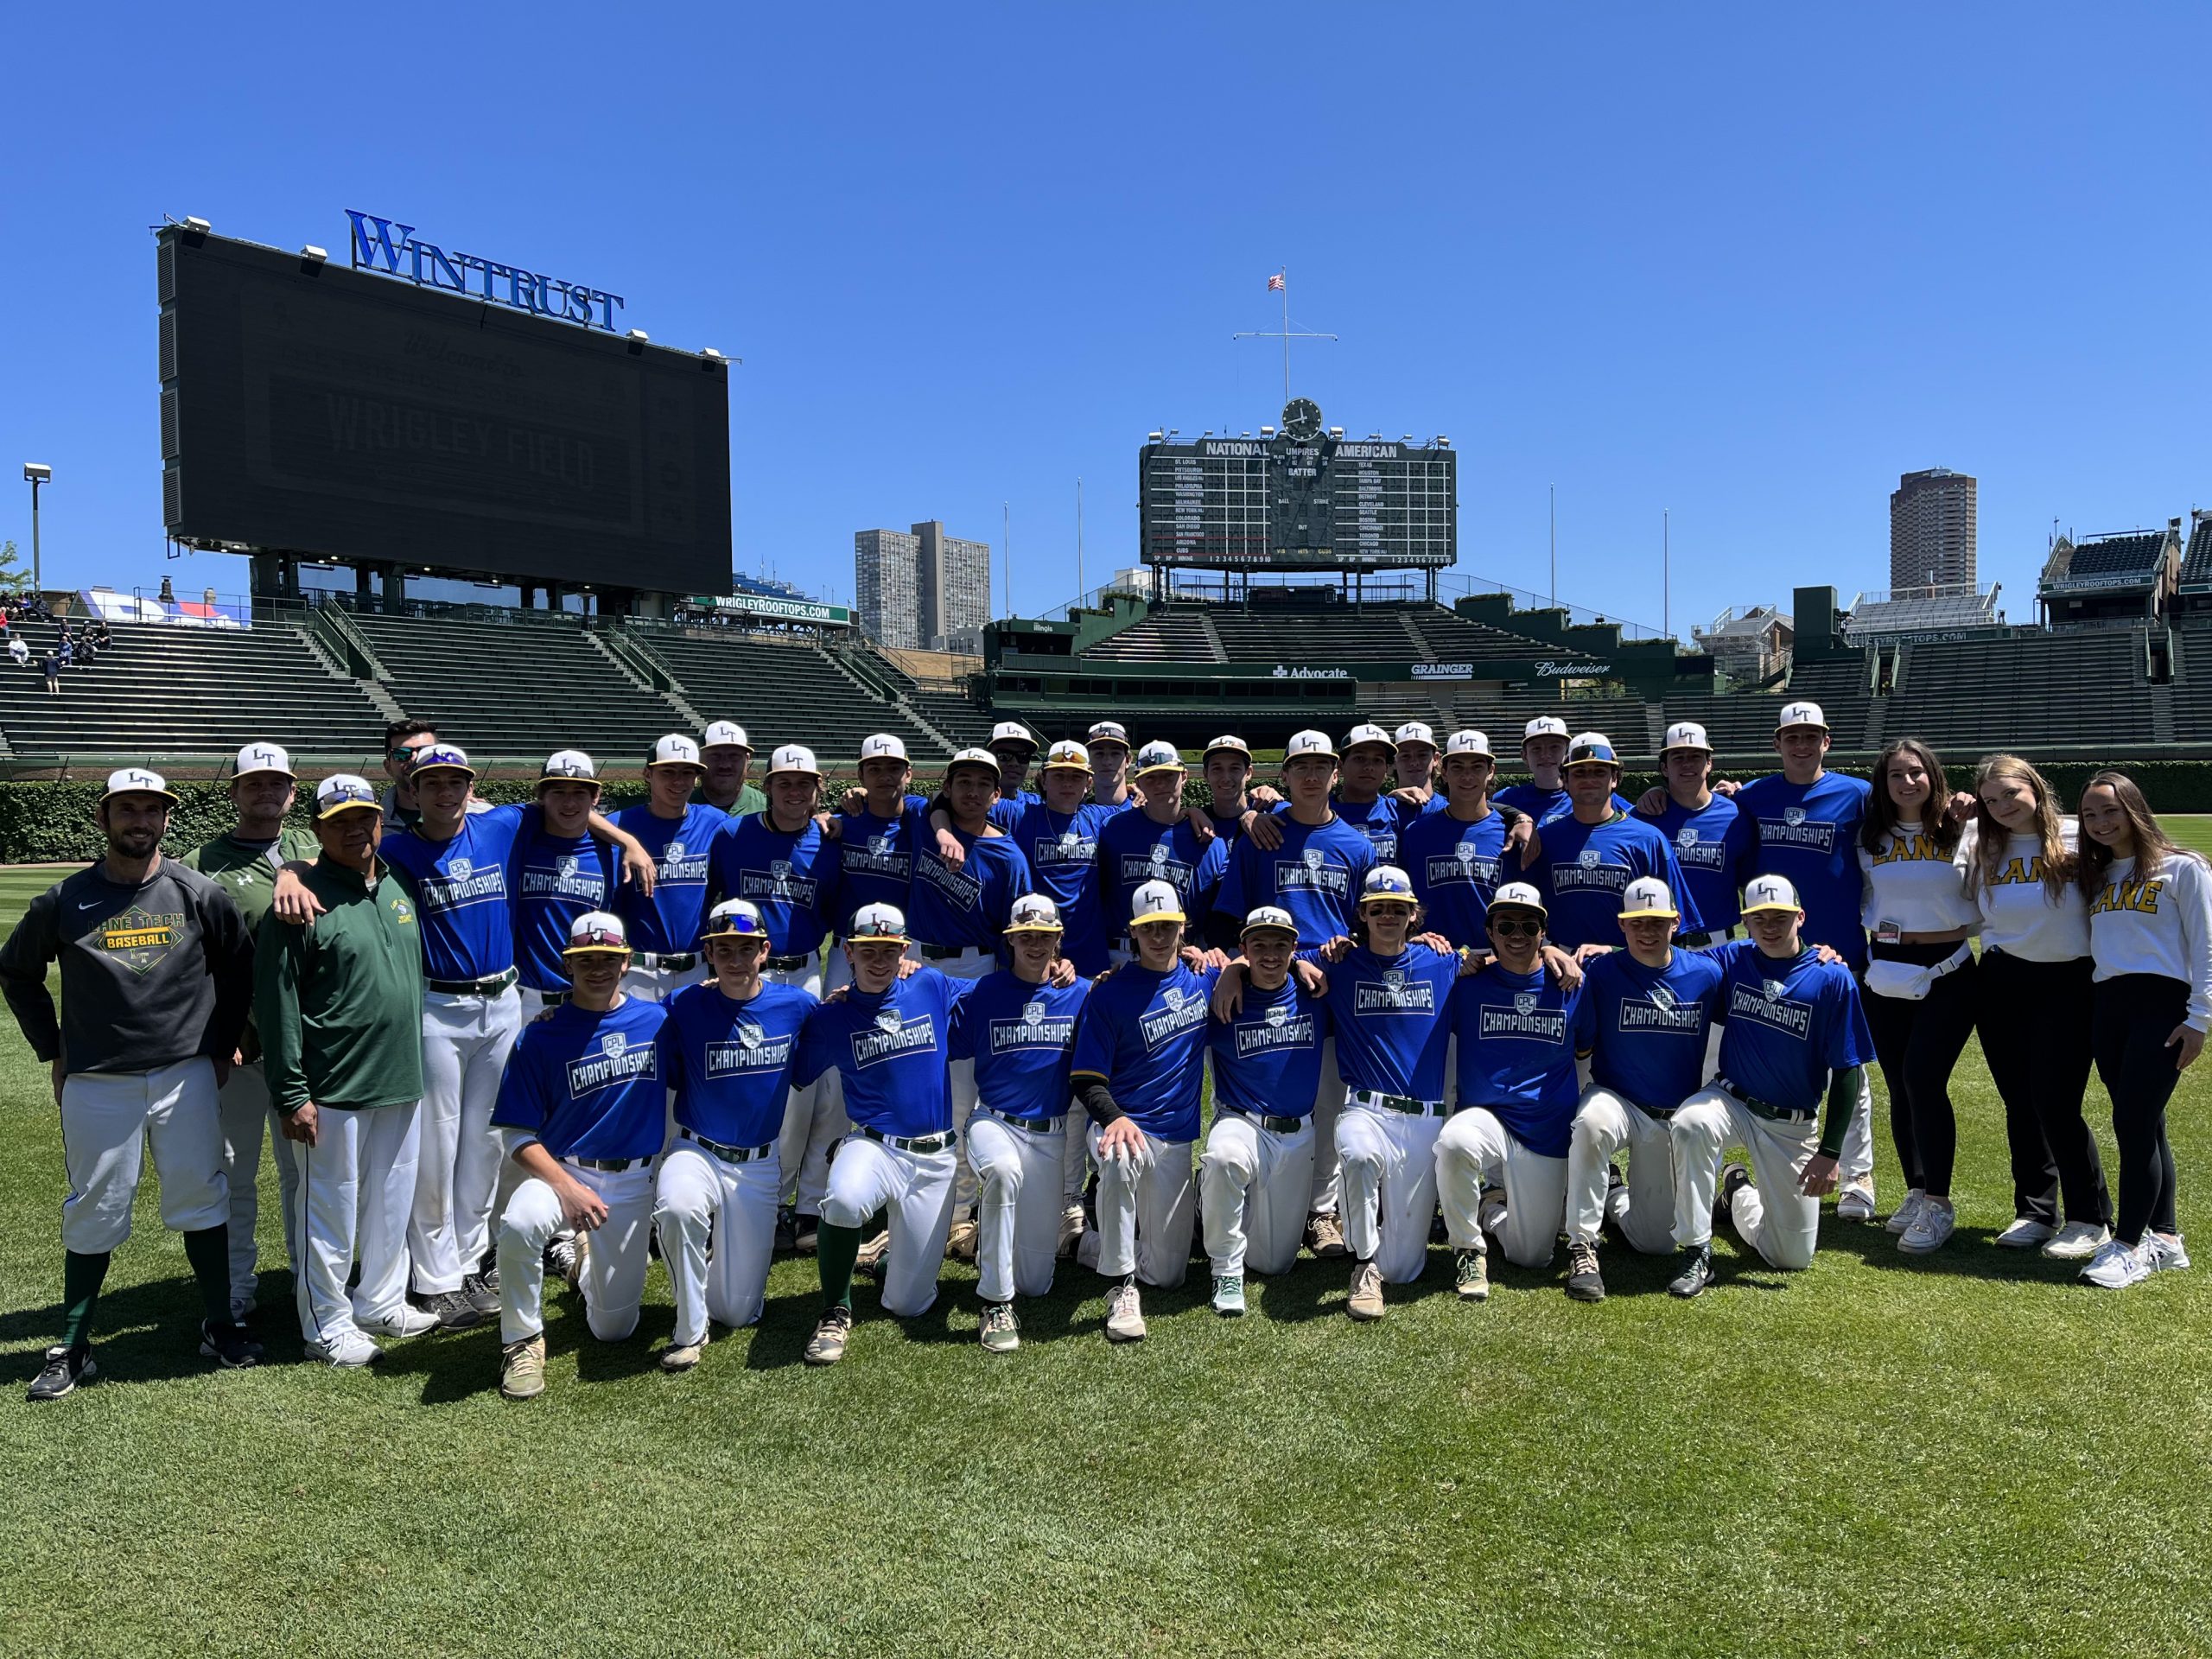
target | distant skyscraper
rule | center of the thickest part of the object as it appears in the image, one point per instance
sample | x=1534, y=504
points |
x=921, y=590
x=1932, y=530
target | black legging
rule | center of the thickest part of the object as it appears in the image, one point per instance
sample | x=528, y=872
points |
x=2034, y=1021
x=2135, y=1013
x=1919, y=1044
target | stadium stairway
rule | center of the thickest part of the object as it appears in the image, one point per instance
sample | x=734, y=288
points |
x=794, y=691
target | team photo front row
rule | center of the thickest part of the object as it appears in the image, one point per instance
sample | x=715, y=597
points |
x=497, y=1042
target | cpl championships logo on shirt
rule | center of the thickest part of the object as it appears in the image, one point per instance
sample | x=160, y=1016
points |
x=1036, y=1028
x=1312, y=872
x=616, y=1062
x=879, y=855
x=1796, y=828
x=964, y=891
x=677, y=864
x=1693, y=850
x=1154, y=865
x=1770, y=1005
x=1180, y=1011
x=461, y=883
x=1278, y=1027
x=777, y=885
x=749, y=1048
x=1070, y=847
x=1526, y=1018
x=138, y=938
x=1467, y=866
x=1660, y=1012
x=570, y=877
x=891, y=1036
x=1394, y=994
x=1589, y=874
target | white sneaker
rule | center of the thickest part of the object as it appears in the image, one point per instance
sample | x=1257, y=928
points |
x=1229, y=1295
x=2025, y=1233
x=2118, y=1266
x=347, y=1350
x=1124, y=1317
x=1905, y=1211
x=1931, y=1228
x=407, y=1321
x=2077, y=1241
x=1856, y=1201
x=2166, y=1253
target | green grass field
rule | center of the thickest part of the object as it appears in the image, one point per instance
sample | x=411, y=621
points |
x=1968, y=1454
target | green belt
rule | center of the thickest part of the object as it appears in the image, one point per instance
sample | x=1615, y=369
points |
x=1766, y=1109
x=1399, y=1103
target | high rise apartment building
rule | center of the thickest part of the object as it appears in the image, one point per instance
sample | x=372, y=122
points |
x=1932, y=530
x=921, y=589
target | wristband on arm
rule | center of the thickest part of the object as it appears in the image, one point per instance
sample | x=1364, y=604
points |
x=1843, y=1099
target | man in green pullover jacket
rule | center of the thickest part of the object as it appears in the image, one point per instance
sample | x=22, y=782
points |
x=339, y=1003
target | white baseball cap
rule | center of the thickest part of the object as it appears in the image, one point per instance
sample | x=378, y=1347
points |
x=877, y=925
x=1067, y=755
x=1685, y=734
x=1273, y=916
x=1308, y=742
x=441, y=757
x=565, y=766
x=344, y=792
x=983, y=758
x=597, y=932
x=1108, y=731
x=1159, y=757
x=674, y=750
x=1387, y=881
x=1367, y=732
x=1011, y=731
x=1469, y=741
x=137, y=780
x=1647, y=896
x=794, y=757
x=1414, y=731
x=262, y=757
x=1593, y=748
x=725, y=735
x=1800, y=714
x=883, y=746
x=739, y=915
x=1543, y=726
x=1033, y=913
x=1518, y=894
x=1235, y=744
x=1769, y=893
x=1156, y=901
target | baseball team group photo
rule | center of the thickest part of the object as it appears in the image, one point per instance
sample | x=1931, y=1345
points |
x=620, y=1041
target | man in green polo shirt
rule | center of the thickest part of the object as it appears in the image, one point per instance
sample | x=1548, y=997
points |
x=339, y=1004
x=728, y=753
x=244, y=860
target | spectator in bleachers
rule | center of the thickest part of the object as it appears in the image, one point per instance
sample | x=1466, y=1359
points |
x=101, y=636
x=50, y=666
x=19, y=649
x=66, y=650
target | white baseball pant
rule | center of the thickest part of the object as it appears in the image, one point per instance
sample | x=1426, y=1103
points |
x=109, y=1119
x=1771, y=1216
x=357, y=1187
x=1855, y=1162
x=839, y=970
x=867, y=1175
x=961, y=1076
x=717, y=1225
x=462, y=1178
x=1146, y=1209
x=244, y=1112
x=1254, y=1185
x=1327, y=1195
x=973, y=962
x=1477, y=1150
x=1387, y=1161
x=1604, y=1123
x=613, y=1280
x=807, y=977
x=1018, y=1205
x=658, y=984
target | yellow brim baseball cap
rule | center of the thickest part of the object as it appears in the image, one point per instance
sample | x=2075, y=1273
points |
x=1651, y=910
x=1771, y=904
x=1158, y=916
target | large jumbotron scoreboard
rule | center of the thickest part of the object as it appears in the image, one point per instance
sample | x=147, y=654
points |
x=1300, y=497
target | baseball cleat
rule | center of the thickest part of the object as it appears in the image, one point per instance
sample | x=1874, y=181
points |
x=64, y=1370
x=1856, y=1201
x=560, y=1254
x=1471, y=1274
x=451, y=1309
x=1734, y=1178
x=681, y=1356
x=1071, y=1231
x=1229, y=1295
x=805, y=1230
x=2077, y=1241
x=1001, y=1332
x=2025, y=1233
x=522, y=1368
x=1931, y=1228
x=1616, y=1199
x=408, y=1320
x=1583, y=1282
x=230, y=1345
x=960, y=1242
x=1323, y=1238
x=349, y=1350
x=2118, y=1266
x=2166, y=1253
x=1365, y=1301
x=1902, y=1219
x=827, y=1345
x=481, y=1291
x=1696, y=1273
x=872, y=1253
x=1124, y=1315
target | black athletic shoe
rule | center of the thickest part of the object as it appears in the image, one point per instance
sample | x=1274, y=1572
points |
x=1734, y=1178
x=65, y=1369
x=1613, y=1184
x=804, y=1231
x=786, y=1231
x=452, y=1310
x=1583, y=1282
x=229, y=1344
x=1696, y=1273
x=481, y=1291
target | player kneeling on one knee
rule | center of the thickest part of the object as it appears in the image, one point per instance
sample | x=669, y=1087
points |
x=1501, y=1162
x=1012, y=1035
x=584, y=1112
x=1793, y=1032
x=727, y=1050
x=1650, y=1008
x=882, y=1042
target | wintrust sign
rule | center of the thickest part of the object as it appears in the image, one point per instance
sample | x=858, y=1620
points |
x=383, y=245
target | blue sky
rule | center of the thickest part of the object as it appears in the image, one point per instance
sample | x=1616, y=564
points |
x=1743, y=264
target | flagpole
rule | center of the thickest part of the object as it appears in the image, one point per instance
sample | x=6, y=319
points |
x=1284, y=273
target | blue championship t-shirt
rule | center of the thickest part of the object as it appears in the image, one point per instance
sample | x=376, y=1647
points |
x=1789, y=1023
x=554, y=880
x=1062, y=849
x=1006, y=810
x=681, y=848
x=730, y=1062
x=1382, y=820
x=588, y=1085
x=1134, y=848
x=791, y=876
x=1649, y=1025
x=969, y=906
x=890, y=1053
x=1267, y=1061
x=1715, y=847
x=1517, y=1038
x=1541, y=804
x=461, y=888
x=1315, y=875
x=1021, y=1037
x=1388, y=1016
x=1454, y=867
x=1809, y=833
x=1585, y=869
x=875, y=858
x=1145, y=1034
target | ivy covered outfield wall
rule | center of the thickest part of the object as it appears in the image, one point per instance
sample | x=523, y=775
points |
x=47, y=821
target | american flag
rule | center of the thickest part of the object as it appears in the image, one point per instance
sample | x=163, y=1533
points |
x=1274, y=282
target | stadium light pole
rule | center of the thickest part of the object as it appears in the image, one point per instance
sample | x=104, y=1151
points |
x=36, y=473
x=1666, y=573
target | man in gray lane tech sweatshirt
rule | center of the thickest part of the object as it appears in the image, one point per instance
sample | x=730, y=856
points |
x=157, y=982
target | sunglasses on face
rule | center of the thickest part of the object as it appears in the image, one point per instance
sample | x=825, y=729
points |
x=1512, y=929
x=400, y=757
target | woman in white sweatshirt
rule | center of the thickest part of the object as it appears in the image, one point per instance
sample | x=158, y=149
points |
x=2017, y=861
x=1920, y=977
x=2151, y=939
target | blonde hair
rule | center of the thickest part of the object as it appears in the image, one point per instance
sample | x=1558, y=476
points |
x=1994, y=840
